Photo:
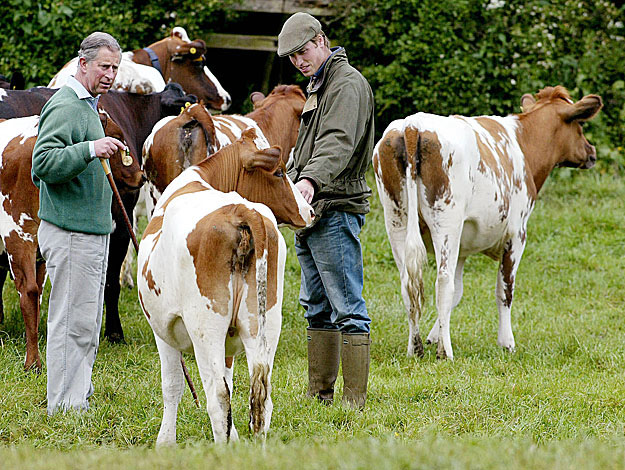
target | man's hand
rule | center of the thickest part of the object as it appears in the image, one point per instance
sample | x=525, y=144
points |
x=307, y=189
x=107, y=146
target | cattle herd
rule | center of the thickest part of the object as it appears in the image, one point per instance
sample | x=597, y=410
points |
x=210, y=267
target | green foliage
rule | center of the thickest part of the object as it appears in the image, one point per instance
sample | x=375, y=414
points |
x=479, y=57
x=39, y=37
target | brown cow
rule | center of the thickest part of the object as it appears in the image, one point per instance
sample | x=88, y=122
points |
x=174, y=59
x=211, y=272
x=171, y=147
x=19, y=221
x=462, y=185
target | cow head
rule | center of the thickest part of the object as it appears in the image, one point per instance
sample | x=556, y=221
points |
x=188, y=68
x=125, y=167
x=174, y=99
x=278, y=115
x=560, y=119
x=262, y=178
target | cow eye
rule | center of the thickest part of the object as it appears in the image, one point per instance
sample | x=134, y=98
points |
x=279, y=173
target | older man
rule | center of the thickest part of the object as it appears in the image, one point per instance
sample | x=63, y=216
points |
x=75, y=213
x=332, y=154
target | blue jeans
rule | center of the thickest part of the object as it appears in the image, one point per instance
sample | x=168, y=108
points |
x=332, y=274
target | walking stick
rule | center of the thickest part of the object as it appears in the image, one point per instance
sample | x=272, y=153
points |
x=109, y=176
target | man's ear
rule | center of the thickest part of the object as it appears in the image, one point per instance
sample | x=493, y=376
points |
x=82, y=64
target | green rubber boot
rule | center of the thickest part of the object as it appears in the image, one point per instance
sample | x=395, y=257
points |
x=324, y=355
x=355, y=359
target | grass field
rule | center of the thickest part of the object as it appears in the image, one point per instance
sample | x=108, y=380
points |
x=556, y=403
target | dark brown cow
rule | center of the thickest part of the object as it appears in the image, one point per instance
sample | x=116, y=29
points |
x=462, y=185
x=136, y=115
x=16, y=82
x=19, y=222
x=22, y=103
x=175, y=59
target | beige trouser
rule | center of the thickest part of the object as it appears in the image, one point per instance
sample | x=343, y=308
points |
x=76, y=263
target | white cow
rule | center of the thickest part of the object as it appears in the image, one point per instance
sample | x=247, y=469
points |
x=464, y=185
x=210, y=277
x=173, y=59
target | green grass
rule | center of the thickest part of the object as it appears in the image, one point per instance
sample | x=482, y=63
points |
x=557, y=402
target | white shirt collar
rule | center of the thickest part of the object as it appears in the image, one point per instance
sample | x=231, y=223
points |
x=78, y=87
x=82, y=93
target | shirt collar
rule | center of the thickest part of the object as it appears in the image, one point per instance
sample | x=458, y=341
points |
x=82, y=93
x=317, y=78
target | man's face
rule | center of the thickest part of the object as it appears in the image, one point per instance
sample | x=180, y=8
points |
x=100, y=73
x=310, y=57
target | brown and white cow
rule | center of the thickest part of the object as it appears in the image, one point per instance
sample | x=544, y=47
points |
x=464, y=185
x=19, y=221
x=210, y=277
x=173, y=59
x=172, y=147
x=136, y=115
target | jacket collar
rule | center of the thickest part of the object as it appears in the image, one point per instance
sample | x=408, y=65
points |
x=317, y=80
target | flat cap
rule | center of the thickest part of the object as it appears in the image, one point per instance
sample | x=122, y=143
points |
x=297, y=31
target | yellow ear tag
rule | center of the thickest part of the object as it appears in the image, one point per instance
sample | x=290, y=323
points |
x=193, y=50
x=187, y=104
x=126, y=158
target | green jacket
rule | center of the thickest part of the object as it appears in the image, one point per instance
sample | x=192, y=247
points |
x=74, y=193
x=336, y=138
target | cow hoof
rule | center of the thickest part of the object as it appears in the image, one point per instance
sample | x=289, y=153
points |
x=115, y=338
x=34, y=367
x=416, y=348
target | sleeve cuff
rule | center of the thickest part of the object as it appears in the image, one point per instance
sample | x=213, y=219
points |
x=92, y=150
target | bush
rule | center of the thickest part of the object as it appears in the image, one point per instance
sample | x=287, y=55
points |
x=39, y=37
x=475, y=57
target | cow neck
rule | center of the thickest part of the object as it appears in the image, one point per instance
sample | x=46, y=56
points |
x=535, y=136
x=161, y=51
x=272, y=120
x=223, y=169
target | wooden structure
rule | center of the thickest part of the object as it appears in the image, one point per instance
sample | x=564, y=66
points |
x=266, y=43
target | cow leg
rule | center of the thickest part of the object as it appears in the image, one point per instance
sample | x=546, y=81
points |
x=446, y=246
x=211, y=361
x=24, y=269
x=458, y=289
x=113, y=331
x=4, y=267
x=229, y=373
x=172, y=383
x=505, y=291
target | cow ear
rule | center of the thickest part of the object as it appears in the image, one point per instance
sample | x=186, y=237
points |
x=527, y=101
x=584, y=110
x=256, y=97
x=266, y=159
x=249, y=133
x=180, y=33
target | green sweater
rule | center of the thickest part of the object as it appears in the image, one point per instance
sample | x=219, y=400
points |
x=74, y=193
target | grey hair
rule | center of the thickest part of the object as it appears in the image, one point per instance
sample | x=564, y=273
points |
x=90, y=46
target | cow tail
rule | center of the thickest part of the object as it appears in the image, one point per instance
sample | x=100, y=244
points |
x=260, y=387
x=202, y=116
x=415, y=256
